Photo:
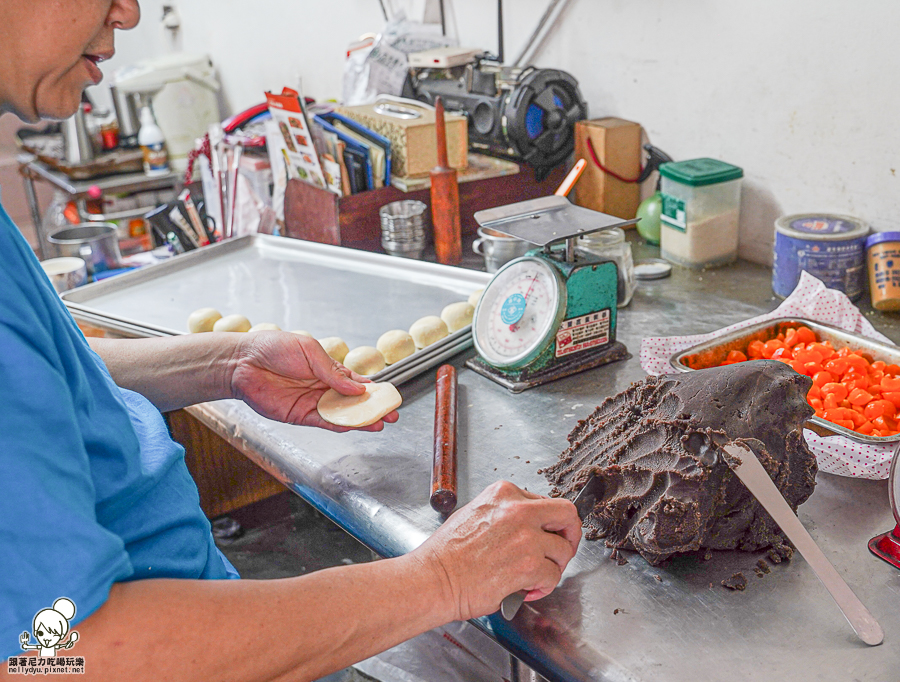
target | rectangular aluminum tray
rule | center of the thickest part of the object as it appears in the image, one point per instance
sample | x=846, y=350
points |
x=712, y=353
x=324, y=290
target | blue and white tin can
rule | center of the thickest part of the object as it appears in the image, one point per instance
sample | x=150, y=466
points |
x=828, y=246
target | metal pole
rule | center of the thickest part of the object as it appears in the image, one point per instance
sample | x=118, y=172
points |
x=499, y=32
x=533, y=41
x=31, y=196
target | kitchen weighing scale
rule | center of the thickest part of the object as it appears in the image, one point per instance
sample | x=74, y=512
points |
x=551, y=313
x=887, y=545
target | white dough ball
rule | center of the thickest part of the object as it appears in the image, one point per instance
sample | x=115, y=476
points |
x=232, y=323
x=300, y=332
x=203, y=319
x=457, y=315
x=428, y=330
x=364, y=360
x=395, y=345
x=335, y=347
x=265, y=327
x=474, y=297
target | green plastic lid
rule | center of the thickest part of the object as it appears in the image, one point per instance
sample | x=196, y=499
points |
x=699, y=172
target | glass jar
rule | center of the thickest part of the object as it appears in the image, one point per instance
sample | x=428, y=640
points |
x=610, y=245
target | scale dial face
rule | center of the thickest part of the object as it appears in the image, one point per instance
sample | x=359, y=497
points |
x=519, y=312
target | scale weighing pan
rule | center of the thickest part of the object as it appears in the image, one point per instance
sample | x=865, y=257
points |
x=547, y=220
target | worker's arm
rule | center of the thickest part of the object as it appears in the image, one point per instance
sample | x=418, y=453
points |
x=303, y=628
x=279, y=374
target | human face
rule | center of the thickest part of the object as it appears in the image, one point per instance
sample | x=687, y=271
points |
x=49, y=51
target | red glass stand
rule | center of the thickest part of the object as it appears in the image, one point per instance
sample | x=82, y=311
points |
x=887, y=546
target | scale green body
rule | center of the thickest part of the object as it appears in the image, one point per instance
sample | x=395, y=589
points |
x=586, y=286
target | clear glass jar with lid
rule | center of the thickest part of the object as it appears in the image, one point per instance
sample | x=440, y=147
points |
x=610, y=245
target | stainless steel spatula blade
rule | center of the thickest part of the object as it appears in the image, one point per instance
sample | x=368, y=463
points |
x=745, y=464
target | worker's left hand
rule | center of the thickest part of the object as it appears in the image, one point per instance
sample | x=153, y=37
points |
x=282, y=376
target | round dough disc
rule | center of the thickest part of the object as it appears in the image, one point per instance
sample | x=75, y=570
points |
x=474, y=297
x=335, y=347
x=457, y=315
x=300, y=332
x=428, y=330
x=202, y=320
x=395, y=345
x=364, y=360
x=232, y=323
x=357, y=411
x=265, y=327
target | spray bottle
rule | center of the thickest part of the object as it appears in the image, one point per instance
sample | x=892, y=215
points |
x=153, y=144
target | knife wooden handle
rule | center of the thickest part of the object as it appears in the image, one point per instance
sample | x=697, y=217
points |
x=443, y=468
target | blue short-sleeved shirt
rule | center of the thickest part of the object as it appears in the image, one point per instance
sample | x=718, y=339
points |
x=92, y=488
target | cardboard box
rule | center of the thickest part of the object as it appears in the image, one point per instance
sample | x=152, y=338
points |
x=413, y=140
x=617, y=145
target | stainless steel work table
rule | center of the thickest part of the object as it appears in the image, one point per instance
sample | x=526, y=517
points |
x=607, y=622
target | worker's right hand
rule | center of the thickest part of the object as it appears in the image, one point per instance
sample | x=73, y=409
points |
x=505, y=540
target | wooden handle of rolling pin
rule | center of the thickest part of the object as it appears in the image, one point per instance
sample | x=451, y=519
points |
x=443, y=468
x=445, y=198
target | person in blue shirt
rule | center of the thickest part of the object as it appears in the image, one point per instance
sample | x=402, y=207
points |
x=98, y=511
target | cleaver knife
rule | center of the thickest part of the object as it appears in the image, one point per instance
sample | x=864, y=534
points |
x=743, y=462
x=584, y=503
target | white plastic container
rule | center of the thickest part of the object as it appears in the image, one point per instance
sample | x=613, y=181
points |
x=700, y=212
x=153, y=145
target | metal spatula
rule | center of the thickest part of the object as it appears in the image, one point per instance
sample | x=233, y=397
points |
x=745, y=464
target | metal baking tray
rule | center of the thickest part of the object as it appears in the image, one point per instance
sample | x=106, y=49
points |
x=322, y=289
x=712, y=353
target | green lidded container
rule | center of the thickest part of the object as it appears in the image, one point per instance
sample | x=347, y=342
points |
x=701, y=201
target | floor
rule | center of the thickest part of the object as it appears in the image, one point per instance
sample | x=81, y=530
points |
x=282, y=537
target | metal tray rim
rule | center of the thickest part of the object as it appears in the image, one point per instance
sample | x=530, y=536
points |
x=78, y=300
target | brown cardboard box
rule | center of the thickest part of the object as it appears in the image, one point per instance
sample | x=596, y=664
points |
x=617, y=143
x=414, y=141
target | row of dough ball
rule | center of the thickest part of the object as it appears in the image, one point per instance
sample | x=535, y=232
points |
x=211, y=320
x=390, y=348
x=395, y=345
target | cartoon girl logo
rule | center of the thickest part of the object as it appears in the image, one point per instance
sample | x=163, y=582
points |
x=50, y=627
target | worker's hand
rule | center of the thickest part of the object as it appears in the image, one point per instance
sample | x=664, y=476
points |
x=505, y=540
x=282, y=376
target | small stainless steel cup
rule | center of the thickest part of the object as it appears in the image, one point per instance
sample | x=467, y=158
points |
x=404, y=227
x=498, y=249
x=96, y=243
x=65, y=273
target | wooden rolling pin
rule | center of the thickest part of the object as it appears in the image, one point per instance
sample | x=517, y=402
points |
x=443, y=468
x=445, y=198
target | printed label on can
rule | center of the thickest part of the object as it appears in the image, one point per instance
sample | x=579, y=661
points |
x=839, y=264
x=673, y=213
x=581, y=333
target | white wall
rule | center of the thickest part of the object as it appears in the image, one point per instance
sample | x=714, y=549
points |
x=803, y=94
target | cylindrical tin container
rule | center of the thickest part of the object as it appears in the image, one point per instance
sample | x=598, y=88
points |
x=883, y=254
x=828, y=246
x=96, y=243
x=66, y=272
x=403, y=228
